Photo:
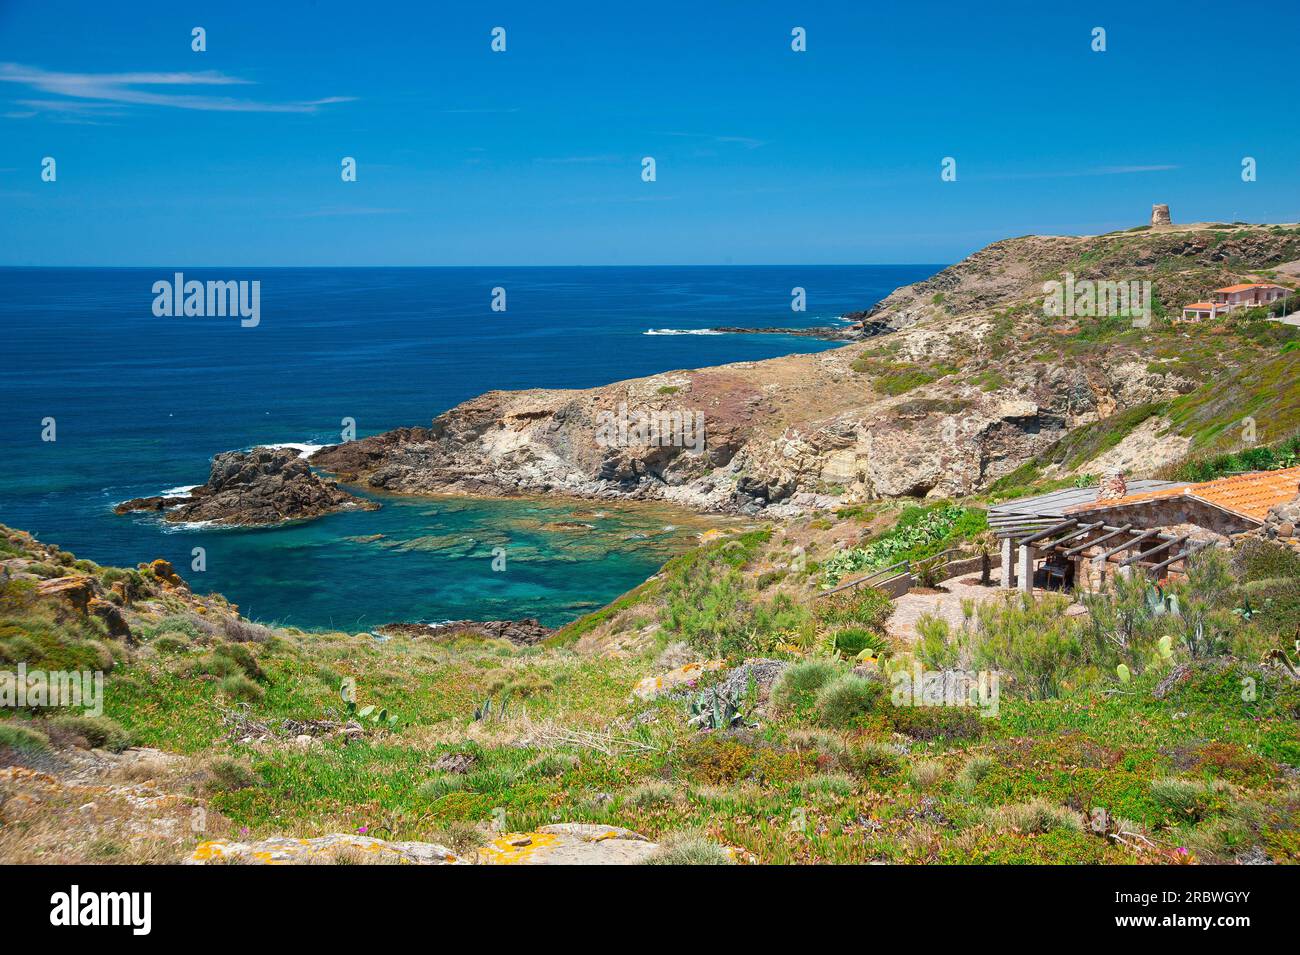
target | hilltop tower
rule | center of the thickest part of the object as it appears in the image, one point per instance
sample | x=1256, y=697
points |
x=1160, y=214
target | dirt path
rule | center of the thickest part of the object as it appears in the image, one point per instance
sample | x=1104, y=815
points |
x=947, y=606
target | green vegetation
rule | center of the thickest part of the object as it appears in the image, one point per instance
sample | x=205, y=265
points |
x=896, y=378
x=920, y=532
x=1283, y=454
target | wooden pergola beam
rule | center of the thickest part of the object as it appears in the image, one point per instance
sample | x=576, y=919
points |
x=1124, y=546
x=1181, y=555
x=1097, y=540
x=1137, y=558
x=1085, y=529
x=1048, y=532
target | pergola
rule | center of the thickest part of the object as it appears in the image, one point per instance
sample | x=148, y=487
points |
x=1081, y=545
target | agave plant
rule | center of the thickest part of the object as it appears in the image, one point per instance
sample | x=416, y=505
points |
x=715, y=709
x=484, y=713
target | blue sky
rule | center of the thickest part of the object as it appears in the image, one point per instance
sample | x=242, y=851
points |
x=169, y=157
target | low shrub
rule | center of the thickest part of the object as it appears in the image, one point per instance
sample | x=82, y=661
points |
x=1029, y=638
x=18, y=649
x=1258, y=559
x=239, y=630
x=439, y=786
x=827, y=784
x=847, y=700
x=99, y=732
x=689, y=848
x=937, y=722
x=461, y=837
x=976, y=769
x=649, y=795
x=936, y=648
x=243, y=657
x=798, y=685
x=554, y=764
x=1036, y=817
x=228, y=774
x=1190, y=799
x=170, y=643
x=870, y=759
x=926, y=774
x=851, y=641
x=239, y=687
x=860, y=607
x=23, y=739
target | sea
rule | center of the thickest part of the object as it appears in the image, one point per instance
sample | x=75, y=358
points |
x=137, y=404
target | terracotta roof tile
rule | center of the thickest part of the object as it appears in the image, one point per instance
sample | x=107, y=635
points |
x=1245, y=285
x=1250, y=495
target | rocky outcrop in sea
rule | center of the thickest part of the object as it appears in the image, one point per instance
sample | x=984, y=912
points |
x=260, y=487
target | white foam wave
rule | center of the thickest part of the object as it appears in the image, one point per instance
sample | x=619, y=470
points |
x=682, y=331
x=304, y=450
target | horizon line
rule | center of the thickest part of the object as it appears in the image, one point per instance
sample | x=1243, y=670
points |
x=579, y=265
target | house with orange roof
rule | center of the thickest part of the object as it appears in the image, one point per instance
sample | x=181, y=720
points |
x=1154, y=528
x=1227, y=506
x=1247, y=294
x=1224, y=300
x=1203, y=310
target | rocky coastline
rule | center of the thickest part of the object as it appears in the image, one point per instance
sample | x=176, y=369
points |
x=257, y=488
x=942, y=389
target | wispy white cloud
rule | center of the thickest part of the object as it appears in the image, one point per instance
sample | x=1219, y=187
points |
x=136, y=89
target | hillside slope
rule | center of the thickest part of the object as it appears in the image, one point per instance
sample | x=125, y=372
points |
x=977, y=383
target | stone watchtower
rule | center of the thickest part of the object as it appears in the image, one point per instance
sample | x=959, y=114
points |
x=1160, y=214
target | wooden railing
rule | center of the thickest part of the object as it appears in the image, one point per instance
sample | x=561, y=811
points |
x=902, y=568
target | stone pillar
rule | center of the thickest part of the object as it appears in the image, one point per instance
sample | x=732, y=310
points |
x=1008, y=562
x=1096, y=574
x=1027, y=555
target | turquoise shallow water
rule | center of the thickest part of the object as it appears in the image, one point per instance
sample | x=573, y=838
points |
x=433, y=559
x=143, y=402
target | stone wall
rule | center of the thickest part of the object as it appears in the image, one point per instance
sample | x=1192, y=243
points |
x=1171, y=512
x=1283, y=525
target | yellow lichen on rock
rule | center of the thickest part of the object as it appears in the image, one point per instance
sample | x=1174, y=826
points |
x=653, y=686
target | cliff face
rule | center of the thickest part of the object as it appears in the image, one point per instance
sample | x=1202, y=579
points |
x=976, y=382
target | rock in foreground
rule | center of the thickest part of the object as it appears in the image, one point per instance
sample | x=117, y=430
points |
x=254, y=488
x=524, y=633
x=562, y=844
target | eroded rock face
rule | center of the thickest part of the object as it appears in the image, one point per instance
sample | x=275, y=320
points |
x=779, y=432
x=259, y=487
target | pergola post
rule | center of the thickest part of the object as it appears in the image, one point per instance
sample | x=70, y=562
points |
x=1028, y=553
x=1008, y=562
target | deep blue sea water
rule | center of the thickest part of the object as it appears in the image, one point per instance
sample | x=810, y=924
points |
x=141, y=403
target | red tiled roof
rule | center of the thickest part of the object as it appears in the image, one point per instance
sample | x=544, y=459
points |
x=1247, y=495
x=1246, y=285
